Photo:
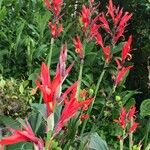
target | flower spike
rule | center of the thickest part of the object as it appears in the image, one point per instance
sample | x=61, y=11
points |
x=71, y=107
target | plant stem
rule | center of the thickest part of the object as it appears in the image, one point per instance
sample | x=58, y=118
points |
x=96, y=91
x=131, y=136
x=121, y=144
x=50, y=52
x=80, y=78
x=48, y=140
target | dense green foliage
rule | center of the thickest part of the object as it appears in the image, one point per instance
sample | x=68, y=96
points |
x=25, y=43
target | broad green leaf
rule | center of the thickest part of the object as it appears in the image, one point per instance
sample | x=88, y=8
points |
x=95, y=142
x=41, y=108
x=145, y=108
x=9, y=122
x=20, y=146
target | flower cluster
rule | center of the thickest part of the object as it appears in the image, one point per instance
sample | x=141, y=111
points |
x=55, y=7
x=127, y=121
x=122, y=70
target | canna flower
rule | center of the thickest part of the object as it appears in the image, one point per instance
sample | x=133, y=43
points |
x=71, y=106
x=133, y=127
x=110, y=8
x=104, y=22
x=61, y=67
x=114, y=12
x=49, y=89
x=55, y=30
x=94, y=27
x=54, y=6
x=24, y=135
x=121, y=27
x=121, y=74
x=126, y=49
x=125, y=119
x=131, y=112
x=85, y=17
x=122, y=118
x=78, y=46
x=99, y=39
x=118, y=17
x=106, y=50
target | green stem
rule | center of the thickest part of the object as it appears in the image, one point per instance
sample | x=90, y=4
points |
x=121, y=144
x=131, y=136
x=96, y=91
x=79, y=79
x=50, y=52
x=48, y=140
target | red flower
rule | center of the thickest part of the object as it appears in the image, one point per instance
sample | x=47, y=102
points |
x=105, y=24
x=121, y=27
x=118, y=16
x=110, y=8
x=131, y=112
x=125, y=120
x=107, y=55
x=71, y=107
x=84, y=117
x=106, y=50
x=126, y=49
x=49, y=89
x=133, y=127
x=61, y=67
x=21, y=136
x=122, y=118
x=85, y=17
x=55, y=30
x=99, y=39
x=114, y=12
x=54, y=6
x=78, y=45
x=121, y=74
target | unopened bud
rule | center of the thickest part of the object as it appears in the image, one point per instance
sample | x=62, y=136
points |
x=117, y=98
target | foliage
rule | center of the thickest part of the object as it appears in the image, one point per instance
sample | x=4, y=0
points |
x=73, y=115
x=14, y=97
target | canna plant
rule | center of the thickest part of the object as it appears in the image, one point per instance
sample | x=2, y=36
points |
x=73, y=108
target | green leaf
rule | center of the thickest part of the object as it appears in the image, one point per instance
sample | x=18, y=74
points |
x=21, y=89
x=145, y=108
x=117, y=48
x=3, y=13
x=41, y=108
x=20, y=146
x=95, y=142
x=127, y=95
x=9, y=122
